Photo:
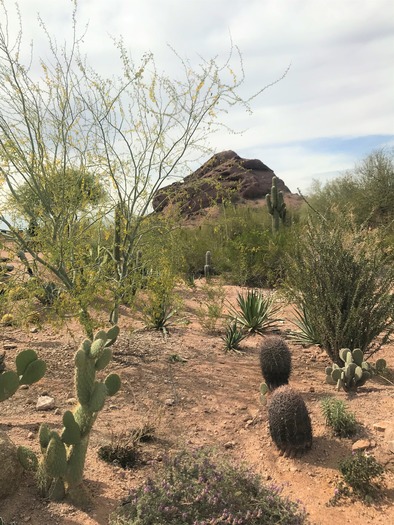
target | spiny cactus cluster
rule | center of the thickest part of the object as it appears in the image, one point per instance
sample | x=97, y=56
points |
x=275, y=361
x=276, y=205
x=29, y=370
x=60, y=469
x=289, y=422
x=355, y=371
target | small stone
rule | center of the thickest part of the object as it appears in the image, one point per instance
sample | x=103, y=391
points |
x=30, y=435
x=56, y=411
x=381, y=426
x=33, y=330
x=45, y=403
x=311, y=389
x=9, y=346
x=71, y=401
x=169, y=402
x=229, y=444
x=24, y=387
x=361, y=444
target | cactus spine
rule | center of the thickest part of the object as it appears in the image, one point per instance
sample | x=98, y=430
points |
x=275, y=362
x=276, y=205
x=29, y=370
x=60, y=469
x=289, y=422
x=355, y=371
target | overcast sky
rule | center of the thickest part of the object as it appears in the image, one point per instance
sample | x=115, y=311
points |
x=336, y=103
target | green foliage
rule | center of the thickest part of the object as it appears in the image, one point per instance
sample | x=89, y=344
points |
x=355, y=371
x=367, y=191
x=160, y=304
x=307, y=334
x=338, y=417
x=233, y=336
x=341, y=282
x=194, y=489
x=211, y=306
x=359, y=472
x=276, y=205
x=255, y=312
x=60, y=469
x=29, y=370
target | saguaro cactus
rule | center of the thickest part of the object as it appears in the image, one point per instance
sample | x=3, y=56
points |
x=276, y=205
x=208, y=265
x=29, y=370
x=60, y=469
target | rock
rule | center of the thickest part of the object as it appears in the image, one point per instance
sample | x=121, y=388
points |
x=9, y=346
x=169, y=402
x=45, y=403
x=225, y=176
x=11, y=470
x=360, y=445
x=34, y=330
x=381, y=426
x=389, y=437
x=229, y=444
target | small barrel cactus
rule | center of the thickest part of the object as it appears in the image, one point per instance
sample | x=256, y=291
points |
x=60, y=470
x=289, y=422
x=275, y=361
x=29, y=370
x=355, y=371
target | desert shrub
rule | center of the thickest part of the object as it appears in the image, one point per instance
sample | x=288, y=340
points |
x=362, y=474
x=210, y=309
x=338, y=417
x=255, y=312
x=193, y=489
x=341, y=283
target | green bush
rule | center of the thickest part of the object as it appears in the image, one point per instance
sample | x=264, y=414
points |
x=359, y=472
x=341, y=283
x=338, y=417
x=193, y=489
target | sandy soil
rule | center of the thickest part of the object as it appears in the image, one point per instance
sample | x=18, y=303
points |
x=212, y=398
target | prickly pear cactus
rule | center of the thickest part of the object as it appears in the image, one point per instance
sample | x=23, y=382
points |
x=355, y=372
x=60, y=469
x=289, y=422
x=275, y=361
x=29, y=370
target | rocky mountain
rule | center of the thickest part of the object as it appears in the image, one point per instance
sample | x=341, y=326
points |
x=224, y=177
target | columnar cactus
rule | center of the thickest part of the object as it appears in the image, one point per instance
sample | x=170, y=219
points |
x=208, y=265
x=355, y=371
x=29, y=370
x=275, y=361
x=289, y=422
x=276, y=205
x=60, y=469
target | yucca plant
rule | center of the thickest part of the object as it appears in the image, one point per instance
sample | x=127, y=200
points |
x=233, y=336
x=256, y=312
x=307, y=334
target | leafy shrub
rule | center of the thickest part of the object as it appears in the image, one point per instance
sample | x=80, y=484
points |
x=341, y=281
x=359, y=472
x=210, y=310
x=192, y=489
x=255, y=313
x=122, y=450
x=338, y=417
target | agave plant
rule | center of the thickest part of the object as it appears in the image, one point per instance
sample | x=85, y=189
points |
x=233, y=336
x=256, y=312
x=307, y=334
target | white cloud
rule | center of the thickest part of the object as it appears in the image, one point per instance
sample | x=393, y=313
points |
x=339, y=85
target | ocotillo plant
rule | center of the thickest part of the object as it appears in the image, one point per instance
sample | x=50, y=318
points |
x=276, y=205
x=60, y=469
x=29, y=370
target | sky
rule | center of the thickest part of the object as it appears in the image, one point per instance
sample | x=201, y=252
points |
x=333, y=107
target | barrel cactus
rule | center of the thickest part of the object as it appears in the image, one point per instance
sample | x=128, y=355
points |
x=275, y=361
x=355, y=372
x=289, y=422
x=29, y=370
x=60, y=469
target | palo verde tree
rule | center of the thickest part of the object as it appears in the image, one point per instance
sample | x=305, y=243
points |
x=138, y=130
